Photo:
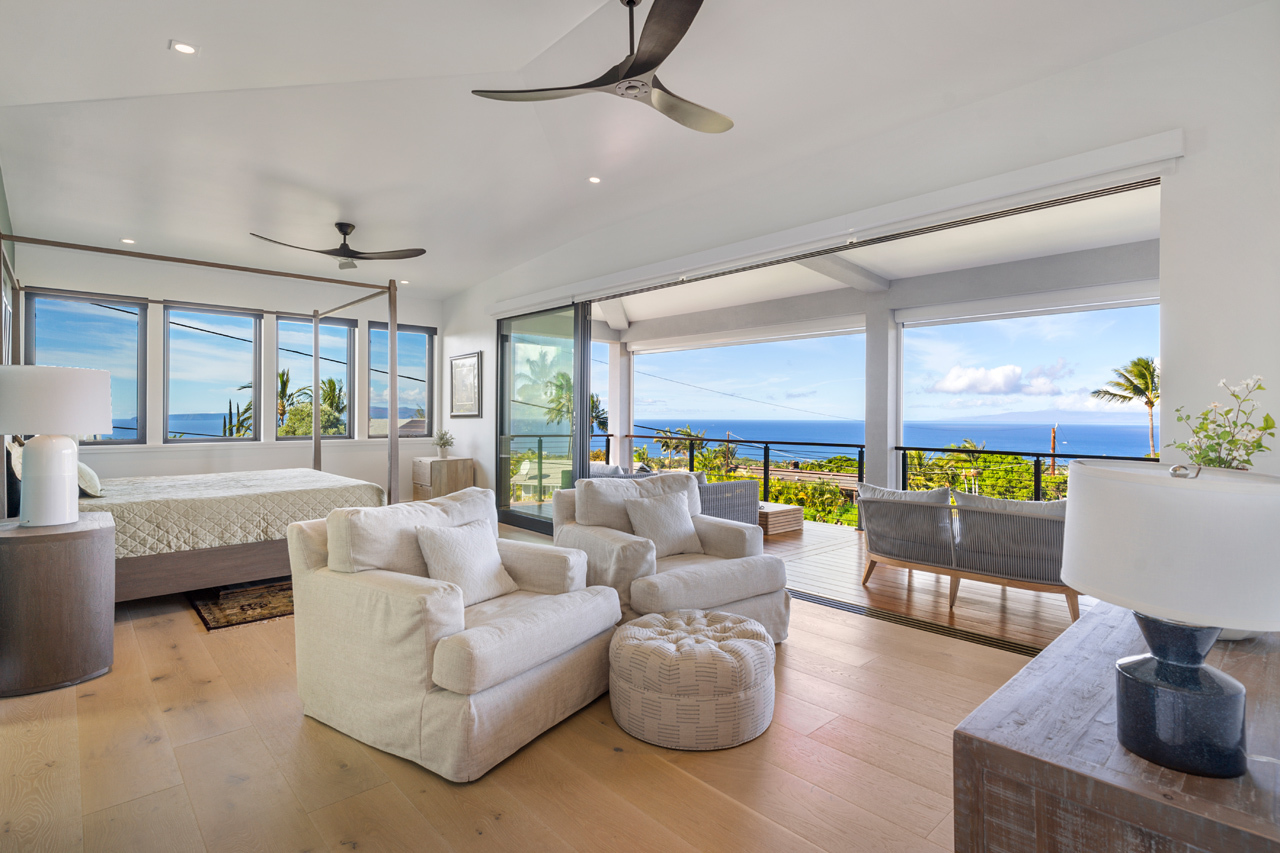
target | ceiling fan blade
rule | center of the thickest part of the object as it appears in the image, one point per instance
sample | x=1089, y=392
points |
x=289, y=245
x=398, y=255
x=666, y=24
x=686, y=112
x=532, y=94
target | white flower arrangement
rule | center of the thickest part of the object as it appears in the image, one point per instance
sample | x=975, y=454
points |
x=1226, y=437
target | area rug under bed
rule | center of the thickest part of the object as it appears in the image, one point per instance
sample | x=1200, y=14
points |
x=242, y=603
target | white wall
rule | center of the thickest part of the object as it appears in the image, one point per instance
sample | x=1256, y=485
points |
x=362, y=457
x=1219, y=256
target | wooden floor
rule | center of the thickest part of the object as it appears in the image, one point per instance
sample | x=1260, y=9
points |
x=829, y=559
x=196, y=741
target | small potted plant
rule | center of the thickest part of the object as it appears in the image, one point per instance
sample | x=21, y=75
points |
x=1225, y=436
x=444, y=440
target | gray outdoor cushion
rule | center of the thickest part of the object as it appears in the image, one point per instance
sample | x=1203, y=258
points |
x=941, y=495
x=1039, y=509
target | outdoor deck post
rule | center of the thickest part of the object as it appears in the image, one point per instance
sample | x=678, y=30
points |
x=906, y=484
x=1036, y=493
x=539, y=469
x=765, y=496
x=692, y=444
x=393, y=398
x=315, y=389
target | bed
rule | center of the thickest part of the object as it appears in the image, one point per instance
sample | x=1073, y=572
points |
x=175, y=534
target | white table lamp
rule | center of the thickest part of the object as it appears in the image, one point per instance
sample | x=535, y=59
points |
x=1191, y=551
x=53, y=403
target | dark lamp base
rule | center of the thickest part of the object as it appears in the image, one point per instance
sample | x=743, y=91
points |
x=1175, y=711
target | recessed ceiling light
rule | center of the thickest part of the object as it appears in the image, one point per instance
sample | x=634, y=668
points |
x=402, y=281
x=126, y=240
x=183, y=47
x=594, y=180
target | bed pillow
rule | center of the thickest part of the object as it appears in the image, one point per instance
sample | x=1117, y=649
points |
x=940, y=495
x=665, y=521
x=1039, y=509
x=90, y=485
x=600, y=503
x=468, y=557
x=381, y=537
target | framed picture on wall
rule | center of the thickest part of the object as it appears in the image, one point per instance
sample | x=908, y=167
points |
x=464, y=385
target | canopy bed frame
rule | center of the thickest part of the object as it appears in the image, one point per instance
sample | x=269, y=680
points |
x=182, y=570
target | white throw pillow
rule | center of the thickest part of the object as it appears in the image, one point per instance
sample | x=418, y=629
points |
x=382, y=537
x=1039, y=509
x=15, y=457
x=466, y=556
x=600, y=503
x=600, y=469
x=665, y=521
x=90, y=485
x=940, y=495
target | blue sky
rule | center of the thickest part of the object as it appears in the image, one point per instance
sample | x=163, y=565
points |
x=81, y=334
x=1026, y=364
x=411, y=353
x=1047, y=363
x=210, y=357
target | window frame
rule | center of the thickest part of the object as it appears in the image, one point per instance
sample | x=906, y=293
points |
x=257, y=375
x=429, y=393
x=351, y=326
x=29, y=351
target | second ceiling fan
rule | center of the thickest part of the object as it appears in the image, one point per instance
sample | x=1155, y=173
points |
x=635, y=77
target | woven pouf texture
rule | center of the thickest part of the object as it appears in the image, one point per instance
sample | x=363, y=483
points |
x=689, y=679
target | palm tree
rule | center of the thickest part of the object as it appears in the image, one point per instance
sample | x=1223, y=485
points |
x=286, y=399
x=1138, y=380
x=333, y=396
x=559, y=396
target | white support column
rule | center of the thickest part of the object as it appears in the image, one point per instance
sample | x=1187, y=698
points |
x=884, y=395
x=621, y=404
x=393, y=396
x=315, y=390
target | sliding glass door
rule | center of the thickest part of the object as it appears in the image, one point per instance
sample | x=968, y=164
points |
x=539, y=360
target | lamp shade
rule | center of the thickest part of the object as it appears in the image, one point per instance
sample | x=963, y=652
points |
x=1202, y=551
x=54, y=401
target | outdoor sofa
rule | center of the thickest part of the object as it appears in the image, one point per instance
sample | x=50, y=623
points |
x=1011, y=543
x=735, y=500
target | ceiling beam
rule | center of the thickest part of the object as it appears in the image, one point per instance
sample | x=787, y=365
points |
x=847, y=272
x=613, y=313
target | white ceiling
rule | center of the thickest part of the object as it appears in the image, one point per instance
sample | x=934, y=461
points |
x=1111, y=220
x=297, y=114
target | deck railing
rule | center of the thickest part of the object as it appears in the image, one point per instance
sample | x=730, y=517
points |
x=996, y=473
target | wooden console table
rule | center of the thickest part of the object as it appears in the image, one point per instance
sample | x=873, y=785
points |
x=1038, y=768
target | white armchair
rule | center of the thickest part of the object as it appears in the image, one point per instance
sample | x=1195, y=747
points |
x=733, y=574
x=393, y=658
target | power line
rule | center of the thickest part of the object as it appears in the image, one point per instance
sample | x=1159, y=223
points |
x=736, y=396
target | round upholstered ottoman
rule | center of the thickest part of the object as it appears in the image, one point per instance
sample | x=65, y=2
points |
x=689, y=679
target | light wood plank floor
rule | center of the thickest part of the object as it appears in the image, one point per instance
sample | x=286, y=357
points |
x=196, y=741
x=829, y=559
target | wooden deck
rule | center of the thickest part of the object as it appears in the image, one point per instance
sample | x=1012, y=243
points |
x=828, y=560
x=196, y=741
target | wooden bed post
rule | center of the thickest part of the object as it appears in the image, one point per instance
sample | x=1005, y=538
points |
x=393, y=399
x=315, y=389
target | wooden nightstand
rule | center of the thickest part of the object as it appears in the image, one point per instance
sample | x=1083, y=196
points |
x=434, y=477
x=57, y=603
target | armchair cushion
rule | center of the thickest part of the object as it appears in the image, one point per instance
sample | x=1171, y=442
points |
x=384, y=537
x=543, y=568
x=466, y=556
x=614, y=558
x=706, y=583
x=601, y=503
x=664, y=520
x=721, y=537
x=1040, y=509
x=518, y=640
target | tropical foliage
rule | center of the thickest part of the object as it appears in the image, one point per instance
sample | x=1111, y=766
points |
x=1226, y=436
x=298, y=421
x=1138, y=381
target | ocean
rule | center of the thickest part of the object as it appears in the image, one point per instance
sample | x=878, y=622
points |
x=1088, y=439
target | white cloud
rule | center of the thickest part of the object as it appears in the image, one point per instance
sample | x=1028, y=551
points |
x=1040, y=386
x=980, y=380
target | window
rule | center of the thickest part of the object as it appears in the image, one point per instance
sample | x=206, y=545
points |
x=415, y=347
x=294, y=339
x=211, y=362
x=102, y=334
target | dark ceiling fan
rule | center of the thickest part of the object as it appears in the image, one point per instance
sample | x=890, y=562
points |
x=635, y=77
x=348, y=256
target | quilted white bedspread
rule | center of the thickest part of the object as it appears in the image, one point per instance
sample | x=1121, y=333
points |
x=158, y=515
